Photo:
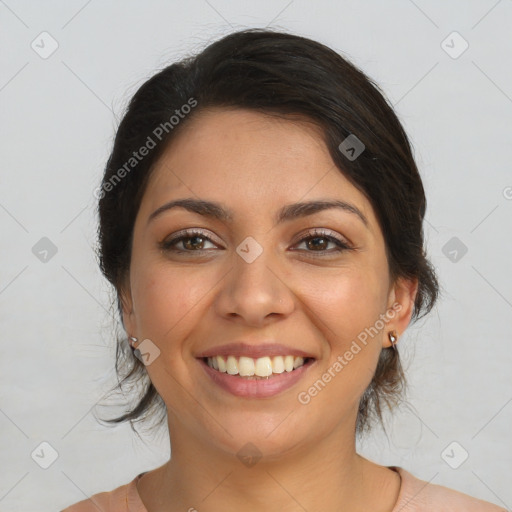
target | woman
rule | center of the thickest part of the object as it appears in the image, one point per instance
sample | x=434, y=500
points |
x=261, y=221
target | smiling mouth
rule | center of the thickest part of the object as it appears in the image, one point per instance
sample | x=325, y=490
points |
x=255, y=369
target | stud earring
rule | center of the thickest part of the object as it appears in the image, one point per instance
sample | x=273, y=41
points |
x=393, y=337
x=133, y=340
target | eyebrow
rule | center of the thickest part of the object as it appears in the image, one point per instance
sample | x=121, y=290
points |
x=286, y=213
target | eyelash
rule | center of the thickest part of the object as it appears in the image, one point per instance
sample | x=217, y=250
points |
x=168, y=245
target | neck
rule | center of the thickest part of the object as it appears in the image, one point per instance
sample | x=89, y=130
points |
x=204, y=477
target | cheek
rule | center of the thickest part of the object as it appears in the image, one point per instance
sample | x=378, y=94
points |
x=167, y=298
x=348, y=303
x=348, y=310
x=168, y=307
x=162, y=300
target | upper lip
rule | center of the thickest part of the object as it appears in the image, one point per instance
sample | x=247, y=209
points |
x=240, y=349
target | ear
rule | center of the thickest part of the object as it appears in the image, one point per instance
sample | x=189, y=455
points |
x=400, y=307
x=129, y=321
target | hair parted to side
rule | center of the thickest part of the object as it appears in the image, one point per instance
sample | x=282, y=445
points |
x=285, y=75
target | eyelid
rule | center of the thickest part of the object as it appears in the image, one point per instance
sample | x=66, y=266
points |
x=319, y=232
x=342, y=244
x=188, y=233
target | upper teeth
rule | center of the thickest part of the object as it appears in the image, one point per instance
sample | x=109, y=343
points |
x=261, y=367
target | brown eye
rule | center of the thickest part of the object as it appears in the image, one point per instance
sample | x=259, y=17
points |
x=318, y=242
x=312, y=243
x=191, y=241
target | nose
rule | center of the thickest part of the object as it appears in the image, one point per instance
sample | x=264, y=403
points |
x=254, y=293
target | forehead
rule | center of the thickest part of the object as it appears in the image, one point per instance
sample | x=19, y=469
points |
x=217, y=139
x=248, y=159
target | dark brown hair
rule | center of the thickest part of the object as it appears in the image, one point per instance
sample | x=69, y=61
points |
x=285, y=75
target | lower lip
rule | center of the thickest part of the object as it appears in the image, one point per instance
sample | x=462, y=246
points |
x=256, y=388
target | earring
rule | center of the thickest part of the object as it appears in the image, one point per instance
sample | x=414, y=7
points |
x=132, y=341
x=393, y=337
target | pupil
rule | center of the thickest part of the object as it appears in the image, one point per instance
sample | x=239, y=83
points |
x=321, y=245
x=191, y=242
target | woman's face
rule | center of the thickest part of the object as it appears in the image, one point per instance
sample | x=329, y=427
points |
x=264, y=272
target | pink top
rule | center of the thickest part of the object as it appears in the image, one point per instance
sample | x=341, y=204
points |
x=415, y=496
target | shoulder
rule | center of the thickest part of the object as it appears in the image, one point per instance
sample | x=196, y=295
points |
x=122, y=499
x=419, y=496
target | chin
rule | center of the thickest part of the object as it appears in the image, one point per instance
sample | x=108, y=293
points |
x=258, y=437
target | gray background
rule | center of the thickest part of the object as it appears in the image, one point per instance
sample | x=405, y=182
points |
x=58, y=118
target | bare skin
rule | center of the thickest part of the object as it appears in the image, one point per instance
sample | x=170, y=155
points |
x=301, y=293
